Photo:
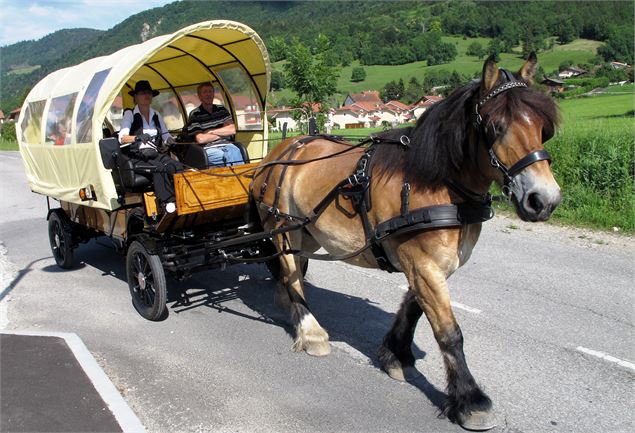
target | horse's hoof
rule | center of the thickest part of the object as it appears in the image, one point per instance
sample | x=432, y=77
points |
x=477, y=420
x=405, y=374
x=318, y=349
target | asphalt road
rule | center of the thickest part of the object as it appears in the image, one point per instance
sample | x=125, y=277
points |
x=547, y=315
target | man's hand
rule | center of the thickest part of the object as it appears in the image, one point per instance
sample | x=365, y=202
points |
x=143, y=137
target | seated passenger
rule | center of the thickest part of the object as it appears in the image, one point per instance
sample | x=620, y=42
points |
x=146, y=127
x=211, y=124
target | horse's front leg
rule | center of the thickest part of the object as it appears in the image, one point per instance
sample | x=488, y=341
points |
x=466, y=403
x=310, y=336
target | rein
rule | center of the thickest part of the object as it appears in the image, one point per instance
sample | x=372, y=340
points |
x=356, y=188
x=491, y=135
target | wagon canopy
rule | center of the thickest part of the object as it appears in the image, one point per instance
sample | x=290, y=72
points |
x=70, y=110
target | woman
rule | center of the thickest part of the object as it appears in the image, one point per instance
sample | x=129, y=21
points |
x=145, y=126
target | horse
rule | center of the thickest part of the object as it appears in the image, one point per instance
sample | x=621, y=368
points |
x=412, y=201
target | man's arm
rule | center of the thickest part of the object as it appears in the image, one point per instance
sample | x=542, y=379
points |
x=210, y=135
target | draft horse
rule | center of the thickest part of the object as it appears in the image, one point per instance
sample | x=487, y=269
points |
x=412, y=201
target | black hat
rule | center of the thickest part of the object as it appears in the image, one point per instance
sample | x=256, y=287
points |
x=141, y=86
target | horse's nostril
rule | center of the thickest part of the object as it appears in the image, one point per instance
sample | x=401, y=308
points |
x=535, y=202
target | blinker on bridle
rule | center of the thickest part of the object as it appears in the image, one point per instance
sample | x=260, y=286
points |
x=491, y=135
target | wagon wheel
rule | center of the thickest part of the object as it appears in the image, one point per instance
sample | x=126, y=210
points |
x=61, y=240
x=146, y=280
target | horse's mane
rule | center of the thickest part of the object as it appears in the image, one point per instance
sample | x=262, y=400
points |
x=440, y=143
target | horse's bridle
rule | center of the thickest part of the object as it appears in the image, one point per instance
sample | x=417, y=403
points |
x=491, y=135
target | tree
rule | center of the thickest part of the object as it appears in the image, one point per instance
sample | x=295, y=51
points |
x=358, y=74
x=277, y=48
x=392, y=91
x=311, y=79
x=619, y=46
x=277, y=80
x=494, y=49
x=414, y=91
x=475, y=49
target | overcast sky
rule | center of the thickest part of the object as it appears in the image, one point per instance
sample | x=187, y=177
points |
x=22, y=20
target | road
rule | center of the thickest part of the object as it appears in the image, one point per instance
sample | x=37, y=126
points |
x=546, y=311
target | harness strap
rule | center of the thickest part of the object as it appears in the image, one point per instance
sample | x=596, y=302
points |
x=431, y=217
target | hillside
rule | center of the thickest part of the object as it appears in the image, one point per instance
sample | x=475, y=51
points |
x=369, y=32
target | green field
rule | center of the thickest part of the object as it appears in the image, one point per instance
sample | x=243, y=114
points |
x=578, y=51
x=24, y=70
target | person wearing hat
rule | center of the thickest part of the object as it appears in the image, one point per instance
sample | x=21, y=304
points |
x=145, y=126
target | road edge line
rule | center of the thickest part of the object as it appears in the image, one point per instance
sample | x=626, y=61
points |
x=127, y=419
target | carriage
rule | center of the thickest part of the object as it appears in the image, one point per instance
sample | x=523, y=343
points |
x=410, y=200
x=68, y=140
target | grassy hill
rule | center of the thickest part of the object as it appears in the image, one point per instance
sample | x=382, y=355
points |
x=578, y=51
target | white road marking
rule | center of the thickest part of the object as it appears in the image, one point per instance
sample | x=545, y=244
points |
x=606, y=357
x=124, y=415
x=465, y=307
x=455, y=304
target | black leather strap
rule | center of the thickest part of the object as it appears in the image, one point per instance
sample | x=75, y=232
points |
x=538, y=155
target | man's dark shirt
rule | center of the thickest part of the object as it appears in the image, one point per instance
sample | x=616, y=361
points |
x=200, y=120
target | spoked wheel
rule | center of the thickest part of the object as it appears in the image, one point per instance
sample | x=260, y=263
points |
x=146, y=280
x=61, y=240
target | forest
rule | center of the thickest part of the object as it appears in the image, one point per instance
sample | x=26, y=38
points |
x=371, y=32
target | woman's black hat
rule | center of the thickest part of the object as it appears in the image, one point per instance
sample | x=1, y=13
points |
x=141, y=86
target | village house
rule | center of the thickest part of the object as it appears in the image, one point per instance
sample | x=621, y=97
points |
x=554, y=86
x=618, y=65
x=420, y=106
x=14, y=114
x=367, y=96
x=571, y=71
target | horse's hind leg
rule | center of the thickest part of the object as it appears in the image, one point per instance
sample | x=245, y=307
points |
x=310, y=336
x=466, y=403
x=395, y=353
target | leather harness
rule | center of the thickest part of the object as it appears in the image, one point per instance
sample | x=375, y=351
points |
x=475, y=208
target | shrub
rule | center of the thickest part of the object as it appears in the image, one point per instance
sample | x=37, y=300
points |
x=358, y=74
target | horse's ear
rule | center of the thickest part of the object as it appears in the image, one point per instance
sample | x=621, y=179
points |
x=528, y=70
x=490, y=74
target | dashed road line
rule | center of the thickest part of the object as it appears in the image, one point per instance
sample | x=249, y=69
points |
x=606, y=357
x=455, y=304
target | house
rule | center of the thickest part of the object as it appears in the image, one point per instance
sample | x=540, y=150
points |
x=425, y=102
x=571, y=71
x=618, y=65
x=1, y=117
x=279, y=116
x=14, y=114
x=366, y=97
x=350, y=116
x=555, y=86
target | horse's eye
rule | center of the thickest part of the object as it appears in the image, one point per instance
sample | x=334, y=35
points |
x=547, y=133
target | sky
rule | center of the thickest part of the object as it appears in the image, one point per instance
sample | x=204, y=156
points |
x=22, y=20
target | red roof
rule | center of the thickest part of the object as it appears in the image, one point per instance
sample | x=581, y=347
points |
x=396, y=104
x=355, y=108
x=366, y=96
x=427, y=100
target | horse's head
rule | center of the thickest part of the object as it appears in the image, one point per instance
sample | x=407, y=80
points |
x=513, y=122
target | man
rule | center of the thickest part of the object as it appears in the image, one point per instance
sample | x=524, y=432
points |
x=212, y=125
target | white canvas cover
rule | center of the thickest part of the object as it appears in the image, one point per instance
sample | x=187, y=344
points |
x=61, y=152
